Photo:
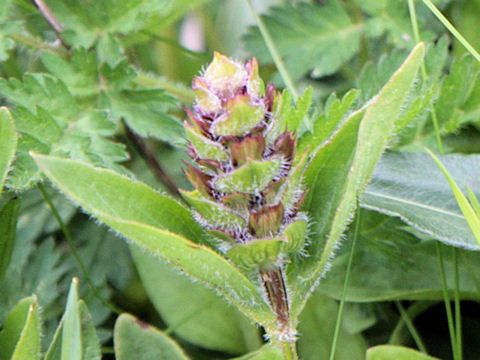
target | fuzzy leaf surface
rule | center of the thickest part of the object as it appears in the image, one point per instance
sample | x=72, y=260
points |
x=8, y=143
x=195, y=313
x=333, y=213
x=156, y=223
x=311, y=38
x=412, y=187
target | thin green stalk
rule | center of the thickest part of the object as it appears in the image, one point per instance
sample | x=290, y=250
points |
x=411, y=327
x=288, y=351
x=452, y=29
x=451, y=327
x=345, y=286
x=414, y=310
x=416, y=34
x=458, y=315
x=75, y=253
x=274, y=53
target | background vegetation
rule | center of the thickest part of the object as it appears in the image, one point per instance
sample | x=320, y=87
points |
x=104, y=83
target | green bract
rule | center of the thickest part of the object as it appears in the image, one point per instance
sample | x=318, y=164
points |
x=248, y=179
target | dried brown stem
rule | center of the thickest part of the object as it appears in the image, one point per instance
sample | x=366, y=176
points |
x=147, y=153
x=51, y=19
x=277, y=296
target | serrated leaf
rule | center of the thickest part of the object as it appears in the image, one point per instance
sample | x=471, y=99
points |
x=136, y=340
x=8, y=144
x=20, y=337
x=148, y=222
x=86, y=22
x=333, y=213
x=110, y=86
x=193, y=312
x=50, y=120
x=310, y=37
x=410, y=186
x=324, y=125
x=392, y=352
x=8, y=225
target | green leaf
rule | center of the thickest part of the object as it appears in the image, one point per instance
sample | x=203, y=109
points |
x=111, y=86
x=391, y=352
x=50, y=120
x=472, y=218
x=391, y=262
x=84, y=340
x=317, y=326
x=193, y=312
x=8, y=27
x=20, y=337
x=71, y=330
x=8, y=143
x=336, y=110
x=411, y=186
x=267, y=352
x=212, y=212
x=333, y=211
x=156, y=223
x=8, y=225
x=136, y=340
x=310, y=37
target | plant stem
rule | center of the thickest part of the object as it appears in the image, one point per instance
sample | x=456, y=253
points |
x=274, y=53
x=274, y=285
x=75, y=253
x=452, y=29
x=458, y=314
x=446, y=300
x=416, y=33
x=411, y=327
x=412, y=312
x=51, y=20
x=345, y=286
